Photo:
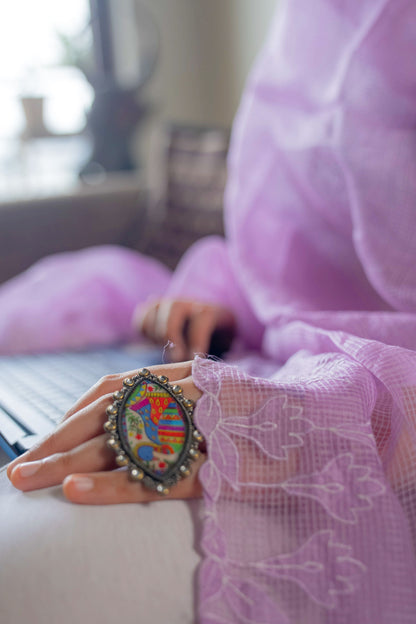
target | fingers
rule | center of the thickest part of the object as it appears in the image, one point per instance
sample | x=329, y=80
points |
x=166, y=319
x=52, y=470
x=189, y=325
x=111, y=383
x=200, y=331
x=204, y=321
x=78, y=446
x=85, y=420
x=172, y=317
x=190, y=390
x=115, y=487
x=145, y=318
x=82, y=427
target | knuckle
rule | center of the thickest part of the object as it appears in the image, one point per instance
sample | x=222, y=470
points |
x=64, y=460
x=49, y=443
x=68, y=414
x=58, y=462
x=104, y=400
x=102, y=381
x=107, y=380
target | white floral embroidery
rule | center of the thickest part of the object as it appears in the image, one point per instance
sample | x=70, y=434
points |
x=358, y=432
x=342, y=488
x=323, y=567
x=274, y=437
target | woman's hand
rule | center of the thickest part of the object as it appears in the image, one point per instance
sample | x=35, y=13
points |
x=76, y=453
x=189, y=325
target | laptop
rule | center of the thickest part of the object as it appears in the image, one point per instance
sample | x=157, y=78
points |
x=37, y=390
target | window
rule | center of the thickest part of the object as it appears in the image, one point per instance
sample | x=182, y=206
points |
x=44, y=95
x=35, y=52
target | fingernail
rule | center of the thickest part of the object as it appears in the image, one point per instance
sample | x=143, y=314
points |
x=29, y=469
x=15, y=463
x=82, y=484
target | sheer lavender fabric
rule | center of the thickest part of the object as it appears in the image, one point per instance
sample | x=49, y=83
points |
x=77, y=300
x=310, y=480
x=309, y=485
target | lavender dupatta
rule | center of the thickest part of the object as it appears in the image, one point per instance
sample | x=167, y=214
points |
x=310, y=483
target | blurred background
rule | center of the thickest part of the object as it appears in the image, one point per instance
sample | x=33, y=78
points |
x=88, y=89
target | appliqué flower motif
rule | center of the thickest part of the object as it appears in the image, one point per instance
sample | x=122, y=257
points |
x=230, y=597
x=323, y=567
x=357, y=432
x=339, y=482
x=251, y=603
x=275, y=427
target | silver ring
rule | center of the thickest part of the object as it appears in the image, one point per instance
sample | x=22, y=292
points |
x=152, y=431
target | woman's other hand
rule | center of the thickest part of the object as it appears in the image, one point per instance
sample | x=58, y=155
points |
x=77, y=456
x=188, y=325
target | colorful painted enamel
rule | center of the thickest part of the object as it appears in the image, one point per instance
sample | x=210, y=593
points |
x=152, y=431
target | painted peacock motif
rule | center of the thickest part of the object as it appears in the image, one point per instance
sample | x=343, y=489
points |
x=155, y=427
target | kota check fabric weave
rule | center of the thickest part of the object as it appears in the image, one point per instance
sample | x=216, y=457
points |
x=310, y=483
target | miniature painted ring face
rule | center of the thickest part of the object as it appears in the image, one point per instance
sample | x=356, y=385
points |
x=152, y=431
x=153, y=428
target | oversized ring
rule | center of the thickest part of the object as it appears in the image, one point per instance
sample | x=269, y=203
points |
x=152, y=431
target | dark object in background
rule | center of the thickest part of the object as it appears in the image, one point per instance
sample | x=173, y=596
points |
x=112, y=121
x=194, y=172
x=221, y=341
x=117, y=110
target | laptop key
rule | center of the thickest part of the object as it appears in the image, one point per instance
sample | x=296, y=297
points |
x=10, y=430
x=36, y=391
x=25, y=414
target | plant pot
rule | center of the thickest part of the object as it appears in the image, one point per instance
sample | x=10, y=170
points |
x=33, y=108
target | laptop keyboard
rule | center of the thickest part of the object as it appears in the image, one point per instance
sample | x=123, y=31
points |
x=37, y=390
